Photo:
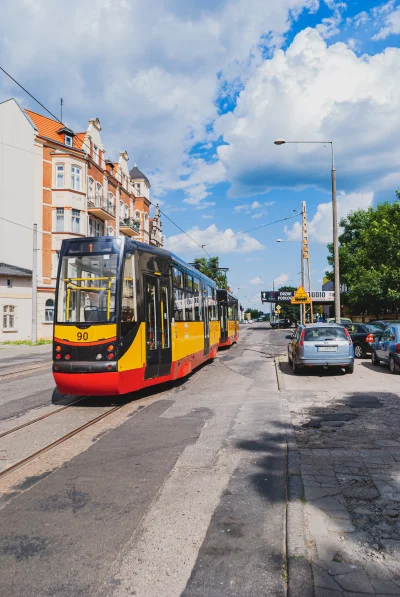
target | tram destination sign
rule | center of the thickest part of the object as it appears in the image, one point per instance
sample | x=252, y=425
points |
x=277, y=296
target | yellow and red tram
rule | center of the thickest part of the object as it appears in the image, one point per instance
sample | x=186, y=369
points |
x=129, y=315
x=228, y=315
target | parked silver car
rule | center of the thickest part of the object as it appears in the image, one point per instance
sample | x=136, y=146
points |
x=321, y=345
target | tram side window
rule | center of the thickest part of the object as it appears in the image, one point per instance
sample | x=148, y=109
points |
x=197, y=299
x=212, y=304
x=189, y=298
x=128, y=306
x=179, y=295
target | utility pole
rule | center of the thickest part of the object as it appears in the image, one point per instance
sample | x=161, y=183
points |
x=61, y=104
x=306, y=255
x=34, y=286
x=335, y=242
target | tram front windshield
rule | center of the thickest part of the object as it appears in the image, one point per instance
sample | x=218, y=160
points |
x=87, y=283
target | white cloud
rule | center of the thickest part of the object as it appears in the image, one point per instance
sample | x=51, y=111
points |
x=255, y=205
x=207, y=217
x=240, y=207
x=152, y=81
x=320, y=226
x=318, y=91
x=217, y=242
x=281, y=280
x=256, y=280
x=257, y=216
x=391, y=25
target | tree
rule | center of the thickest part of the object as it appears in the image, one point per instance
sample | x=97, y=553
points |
x=210, y=267
x=289, y=311
x=369, y=254
x=254, y=313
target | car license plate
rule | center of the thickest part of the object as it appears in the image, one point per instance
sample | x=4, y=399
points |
x=326, y=348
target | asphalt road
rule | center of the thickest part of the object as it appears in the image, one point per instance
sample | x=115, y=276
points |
x=186, y=496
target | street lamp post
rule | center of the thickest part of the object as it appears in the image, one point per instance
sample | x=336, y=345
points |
x=335, y=222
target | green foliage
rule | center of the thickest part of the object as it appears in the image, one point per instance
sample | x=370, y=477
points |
x=254, y=313
x=289, y=311
x=369, y=255
x=210, y=267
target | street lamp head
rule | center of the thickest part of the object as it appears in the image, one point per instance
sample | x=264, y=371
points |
x=280, y=142
x=279, y=240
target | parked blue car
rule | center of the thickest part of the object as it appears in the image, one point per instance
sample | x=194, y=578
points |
x=321, y=345
x=387, y=347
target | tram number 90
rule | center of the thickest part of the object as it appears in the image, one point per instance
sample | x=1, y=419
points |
x=82, y=336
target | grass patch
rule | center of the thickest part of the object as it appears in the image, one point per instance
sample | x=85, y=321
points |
x=25, y=343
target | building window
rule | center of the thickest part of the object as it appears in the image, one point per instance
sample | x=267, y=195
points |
x=9, y=282
x=90, y=189
x=96, y=154
x=91, y=227
x=9, y=313
x=110, y=202
x=76, y=178
x=68, y=141
x=76, y=219
x=126, y=212
x=98, y=195
x=137, y=215
x=60, y=219
x=49, y=310
x=60, y=176
x=99, y=229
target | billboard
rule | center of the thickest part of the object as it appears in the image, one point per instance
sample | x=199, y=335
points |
x=277, y=296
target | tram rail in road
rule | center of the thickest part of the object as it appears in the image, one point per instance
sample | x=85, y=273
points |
x=57, y=442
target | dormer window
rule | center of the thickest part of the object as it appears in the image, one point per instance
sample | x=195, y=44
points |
x=68, y=140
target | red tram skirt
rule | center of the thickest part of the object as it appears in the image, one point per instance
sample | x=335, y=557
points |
x=123, y=382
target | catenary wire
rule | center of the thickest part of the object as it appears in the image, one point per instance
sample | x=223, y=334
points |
x=202, y=247
x=58, y=120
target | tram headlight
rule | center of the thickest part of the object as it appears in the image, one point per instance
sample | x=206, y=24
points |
x=99, y=356
x=110, y=356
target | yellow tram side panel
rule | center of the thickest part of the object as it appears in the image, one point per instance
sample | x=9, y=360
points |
x=135, y=356
x=79, y=335
x=187, y=338
x=231, y=328
x=215, y=332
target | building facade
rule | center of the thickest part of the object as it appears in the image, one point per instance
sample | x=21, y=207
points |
x=64, y=182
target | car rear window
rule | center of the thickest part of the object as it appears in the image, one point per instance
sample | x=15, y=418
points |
x=324, y=333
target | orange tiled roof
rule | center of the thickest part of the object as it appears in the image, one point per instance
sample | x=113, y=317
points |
x=48, y=128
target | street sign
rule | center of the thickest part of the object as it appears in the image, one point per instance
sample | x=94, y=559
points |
x=285, y=296
x=300, y=297
x=278, y=308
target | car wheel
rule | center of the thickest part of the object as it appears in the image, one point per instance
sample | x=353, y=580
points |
x=374, y=359
x=358, y=351
x=350, y=368
x=392, y=365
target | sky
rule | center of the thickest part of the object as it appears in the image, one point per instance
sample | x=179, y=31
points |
x=197, y=92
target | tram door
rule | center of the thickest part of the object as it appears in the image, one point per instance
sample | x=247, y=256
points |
x=158, y=326
x=206, y=318
x=224, y=321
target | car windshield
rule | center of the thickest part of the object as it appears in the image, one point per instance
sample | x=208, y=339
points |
x=324, y=333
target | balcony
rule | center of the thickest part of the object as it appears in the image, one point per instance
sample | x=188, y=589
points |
x=101, y=208
x=129, y=226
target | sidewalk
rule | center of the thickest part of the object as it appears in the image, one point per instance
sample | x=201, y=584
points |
x=348, y=448
x=16, y=350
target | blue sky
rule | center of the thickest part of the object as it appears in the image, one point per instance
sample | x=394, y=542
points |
x=197, y=93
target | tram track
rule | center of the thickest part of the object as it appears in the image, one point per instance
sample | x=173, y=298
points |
x=46, y=416
x=58, y=441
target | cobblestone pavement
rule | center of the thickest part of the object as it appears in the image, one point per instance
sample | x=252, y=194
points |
x=347, y=431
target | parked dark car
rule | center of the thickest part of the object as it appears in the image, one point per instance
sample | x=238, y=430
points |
x=363, y=334
x=283, y=323
x=386, y=349
x=382, y=323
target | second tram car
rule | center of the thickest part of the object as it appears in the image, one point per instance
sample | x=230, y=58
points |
x=228, y=314
x=129, y=315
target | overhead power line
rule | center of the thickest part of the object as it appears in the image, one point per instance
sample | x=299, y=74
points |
x=252, y=229
x=58, y=120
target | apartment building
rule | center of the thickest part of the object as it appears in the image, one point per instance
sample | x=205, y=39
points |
x=64, y=181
